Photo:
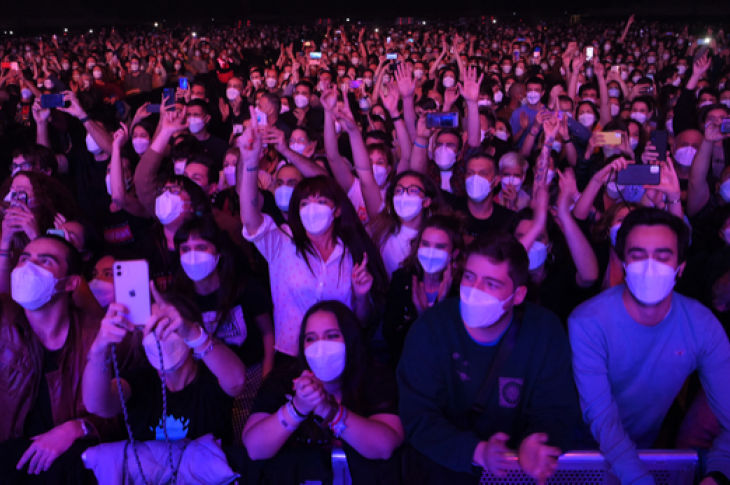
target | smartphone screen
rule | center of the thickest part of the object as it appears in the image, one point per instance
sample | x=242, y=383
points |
x=52, y=101
x=589, y=53
x=392, y=56
x=315, y=55
x=183, y=83
x=153, y=108
x=516, y=55
x=537, y=52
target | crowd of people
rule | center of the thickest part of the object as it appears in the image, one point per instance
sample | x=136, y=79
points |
x=436, y=246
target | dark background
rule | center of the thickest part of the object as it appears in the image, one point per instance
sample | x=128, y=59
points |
x=23, y=15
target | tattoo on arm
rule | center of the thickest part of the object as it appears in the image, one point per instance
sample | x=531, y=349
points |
x=542, y=162
x=252, y=169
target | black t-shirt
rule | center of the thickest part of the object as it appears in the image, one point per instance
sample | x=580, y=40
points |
x=500, y=219
x=123, y=229
x=238, y=328
x=201, y=407
x=40, y=418
x=163, y=262
x=216, y=149
x=559, y=291
x=90, y=178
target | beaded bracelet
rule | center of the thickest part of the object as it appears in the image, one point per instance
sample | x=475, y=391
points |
x=338, y=426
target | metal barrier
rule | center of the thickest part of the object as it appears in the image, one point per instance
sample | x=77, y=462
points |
x=576, y=467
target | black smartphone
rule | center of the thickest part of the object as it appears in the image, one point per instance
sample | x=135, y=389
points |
x=52, y=101
x=639, y=174
x=169, y=93
x=442, y=120
x=725, y=126
x=153, y=108
x=659, y=140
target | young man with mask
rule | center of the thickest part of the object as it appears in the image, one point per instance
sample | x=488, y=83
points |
x=137, y=81
x=270, y=105
x=532, y=104
x=529, y=406
x=198, y=119
x=642, y=339
x=44, y=340
x=304, y=115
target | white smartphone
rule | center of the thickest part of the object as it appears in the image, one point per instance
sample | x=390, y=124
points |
x=132, y=289
x=589, y=53
x=237, y=129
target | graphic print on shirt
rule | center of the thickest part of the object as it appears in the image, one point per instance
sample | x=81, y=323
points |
x=177, y=429
x=232, y=330
x=510, y=391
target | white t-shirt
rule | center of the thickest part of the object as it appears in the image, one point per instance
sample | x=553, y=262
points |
x=355, y=196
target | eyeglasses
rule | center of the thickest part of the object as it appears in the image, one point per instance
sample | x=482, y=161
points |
x=410, y=190
x=25, y=166
x=173, y=189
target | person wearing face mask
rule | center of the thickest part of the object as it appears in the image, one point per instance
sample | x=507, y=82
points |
x=47, y=427
x=235, y=307
x=531, y=106
x=137, y=80
x=103, y=86
x=270, y=105
x=702, y=201
x=642, y=110
x=201, y=375
x=287, y=178
x=304, y=115
x=683, y=152
x=516, y=92
x=512, y=171
x=453, y=443
x=198, y=120
x=557, y=284
x=332, y=398
x=430, y=274
x=233, y=107
x=646, y=321
x=322, y=253
x=102, y=280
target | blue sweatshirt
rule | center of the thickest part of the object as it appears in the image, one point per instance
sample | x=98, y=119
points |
x=628, y=375
x=442, y=369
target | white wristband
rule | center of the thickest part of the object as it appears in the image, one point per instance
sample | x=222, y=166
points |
x=198, y=341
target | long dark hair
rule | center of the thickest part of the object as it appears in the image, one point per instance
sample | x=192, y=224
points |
x=347, y=227
x=356, y=358
x=232, y=266
x=453, y=227
x=387, y=222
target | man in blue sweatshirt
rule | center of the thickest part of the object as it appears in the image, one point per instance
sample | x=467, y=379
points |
x=533, y=406
x=635, y=345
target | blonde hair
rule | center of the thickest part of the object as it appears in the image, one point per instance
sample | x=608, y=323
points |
x=513, y=160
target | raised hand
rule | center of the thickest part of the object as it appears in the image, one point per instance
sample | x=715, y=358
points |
x=362, y=280
x=470, y=86
x=405, y=80
x=120, y=137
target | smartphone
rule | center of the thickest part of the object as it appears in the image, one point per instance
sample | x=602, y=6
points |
x=589, y=53
x=639, y=174
x=315, y=55
x=19, y=196
x=6, y=65
x=356, y=84
x=659, y=140
x=57, y=232
x=153, y=108
x=559, y=115
x=725, y=126
x=388, y=40
x=704, y=41
x=307, y=44
x=442, y=120
x=516, y=55
x=392, y=56
x=52, y=101
x=520, y=39
x=237, y=129
x=261, y=118
x=170, y=94
x=337, y=32
x=14, y=66
x=132, y=289
x=611, y=138
x=536, y=54
x=183, y=83
x=410, y=40
x=616, y=69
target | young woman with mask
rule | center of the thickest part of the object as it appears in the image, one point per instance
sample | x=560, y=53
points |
x=235, y=307
x=339, y=393
x=323, y=253
x=555, y=283
x=201, y=375
x=430, y=273
x=512, y=172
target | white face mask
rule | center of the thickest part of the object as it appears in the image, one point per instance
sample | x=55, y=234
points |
x=681, y=69
x=638, y=117
x=478, y=188
x=498, y=97
x=174, y=352
x=515, y=181
x=198, y=264
x=538, y=254
x=587, y=119
x=108, y=181
x=232, y=94
x=91, y=145
x=256, y=83
x=364, y=104
x=506, y=69
x=725, y=190
x=613, y=233
x=196, y=125
x=32, y=286
x=271, y=82
x=634, y=142
x=407, y=206
x=615, y=110
x=649, y=280
x=685, y=155
x=479, y=309
x=301, y=101
x=326, y=359
x=230, y=175
x=381, y=174
x=168, y=207
x=550, y=176
x=448, y=82
x=103, y=291
x=418, y=73
x=316, y=218
x=140, y=145
x=180, y=167
x=433, y=260
x=502, y=135
x=298, y=147
x=284, y=109
x=445, y=158
x=282, y=195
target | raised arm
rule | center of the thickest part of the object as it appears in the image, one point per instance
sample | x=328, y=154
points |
x=626, y=29
x=277, y=137
x=390, y=102
x=605, y=108
x=470, y=93
x=247, y=175
x=121, y=196
x=407, y=88
x=419, y=156
x=340, y=168
x=588, y=196
x=41, y=117
x=96, y=130
x=698, y=190
x=584, y=258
